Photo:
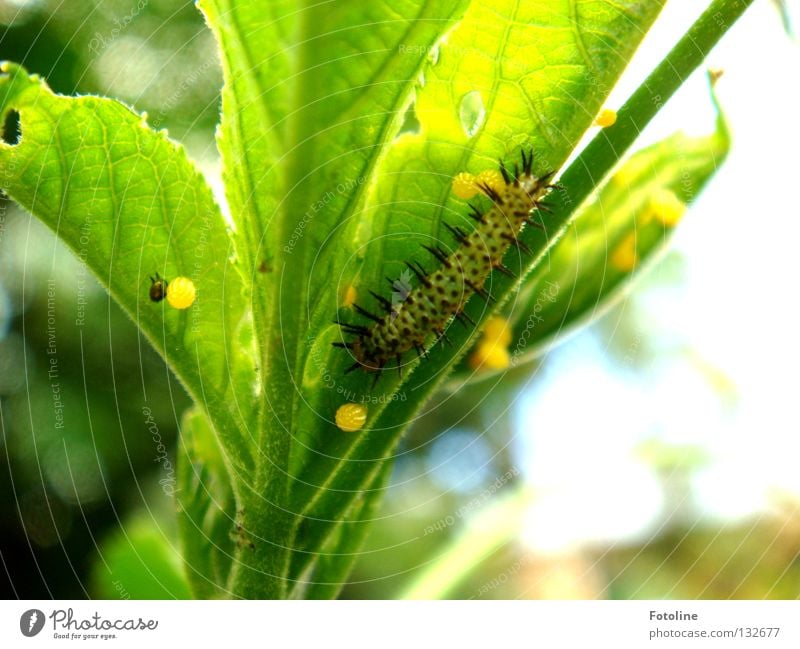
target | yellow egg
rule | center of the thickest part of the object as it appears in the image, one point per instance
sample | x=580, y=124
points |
x=666, y=207
x=490, y=355
x=497, y=330
x=624, y=256
x=350, y=296
x=464, y=185
x=492, y=178
x=605, y=118
x=351, y=417
x=181, y=293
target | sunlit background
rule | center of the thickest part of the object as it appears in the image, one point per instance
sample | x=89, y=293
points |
x=653, y=454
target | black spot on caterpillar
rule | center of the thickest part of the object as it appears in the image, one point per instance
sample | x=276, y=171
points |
x=442, y=294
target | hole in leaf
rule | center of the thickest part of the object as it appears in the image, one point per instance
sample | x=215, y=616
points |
x=433, y=54
x=11, y=133
x=410, y=121
x=472, y=113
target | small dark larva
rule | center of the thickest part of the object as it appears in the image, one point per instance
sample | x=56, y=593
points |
x=442, y=294
x=158, y=288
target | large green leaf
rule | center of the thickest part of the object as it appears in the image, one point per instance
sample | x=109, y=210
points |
x=129, y=203
x=506, y=77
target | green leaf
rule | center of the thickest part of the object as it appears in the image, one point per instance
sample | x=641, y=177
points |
x=206, y=508
x=507, y=77
x=589, y=168
x=129, y=203
x=611, y=240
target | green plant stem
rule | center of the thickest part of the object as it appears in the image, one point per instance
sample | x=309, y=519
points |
x=605, y=150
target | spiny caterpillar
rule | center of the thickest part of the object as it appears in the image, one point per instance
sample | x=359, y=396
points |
x=442, y=294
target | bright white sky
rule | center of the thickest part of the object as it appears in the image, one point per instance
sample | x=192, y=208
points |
x=582, y=424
